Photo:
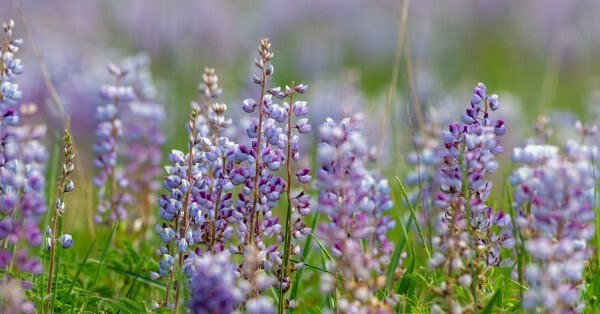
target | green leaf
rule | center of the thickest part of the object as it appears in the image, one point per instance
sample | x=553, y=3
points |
x=305, y=252
x=398, y=249
x=106, y=246
x=489, y=308
x=87, y=255
x=405, y=282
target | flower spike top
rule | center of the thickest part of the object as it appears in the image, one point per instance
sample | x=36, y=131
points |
x=110, y=181
x=10, y=67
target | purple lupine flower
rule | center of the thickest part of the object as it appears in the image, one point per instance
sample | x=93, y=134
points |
x=142, y=138
x=555, y=200
x=10, y=95
x=177, y=208
x=295, y=226
x=211, y=224
x=67, y=186
x=13, y=297
x=421, y=180
x=111, y=182
x=355, y=200
x=214, y=284
x=260, y=305
x=466, y=220
x=23, y=201
x=261, y=189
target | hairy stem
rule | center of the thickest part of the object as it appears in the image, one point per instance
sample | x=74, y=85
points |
x=288, y=221
x=186, y=202
x=257, y=168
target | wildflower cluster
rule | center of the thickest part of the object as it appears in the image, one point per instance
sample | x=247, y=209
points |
x=355, y=200
x=211, y=226
x=555, y=201
x=10, y=67
x=23, y=201
x=142, y=139
x=213, y=286
x=470, y=234
x=110, y=182
x=230, y=226
x=217, y=286
x=22, y=167
x=176, y=207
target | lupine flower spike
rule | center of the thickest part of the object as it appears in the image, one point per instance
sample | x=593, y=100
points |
x=355, y=201
x=142, y=141
x=65, y=186
x=10, y=67
x=175, y=209
x=212, y=224
x=467, y=242
x=22, y=167
x=261, y=188
x=110, y=182
x=554, y=195
x=256, y=131
x=299, y=203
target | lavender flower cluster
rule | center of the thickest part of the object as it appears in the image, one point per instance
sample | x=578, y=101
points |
x=110, y=181
x=355, y=200
x=142, y=140
x=22, y=167
x=469, y=232
x=554, y=194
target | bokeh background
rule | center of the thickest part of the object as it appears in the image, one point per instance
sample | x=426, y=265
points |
x=541, y=56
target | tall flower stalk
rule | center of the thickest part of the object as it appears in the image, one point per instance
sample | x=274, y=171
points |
x=141, y=146
x=266, y=69
x=65, y=186
x=110, y=183
x=554, y=195
x=355, y=200
x=174, y=209
x=467, y=242
x=211, y=226
x=299, y=202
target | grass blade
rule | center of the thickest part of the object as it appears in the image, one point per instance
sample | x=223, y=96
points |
x=112, y=233
x=398, y=249
x=87, y=255
x=136, y=276
x=414, y=217
x=489, y=308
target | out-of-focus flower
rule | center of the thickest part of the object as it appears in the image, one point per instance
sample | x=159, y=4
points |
x=555, y=200
x=214, y=285
x=13, y=298
x=143, y=139
x=355, y=200
x=111, y=182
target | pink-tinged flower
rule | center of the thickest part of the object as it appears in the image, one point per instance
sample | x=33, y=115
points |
x=355, y=200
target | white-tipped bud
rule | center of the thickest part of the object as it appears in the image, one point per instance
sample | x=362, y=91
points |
x=70, y=186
